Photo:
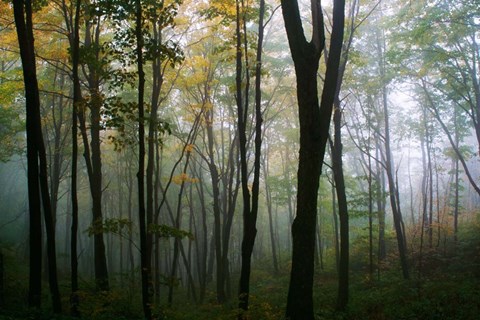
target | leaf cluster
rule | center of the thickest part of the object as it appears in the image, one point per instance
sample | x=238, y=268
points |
x=111, y=225
x=164, y=231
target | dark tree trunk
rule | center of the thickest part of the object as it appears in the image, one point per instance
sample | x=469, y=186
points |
x=49, y=224
x=37, y=164
x=144, y=249
x=177, y=224
x=25, y=40
x=151, y=179
x=250, y=210
x=336, y=237
x=73, y=26
x=314, y=126
x=93, y=161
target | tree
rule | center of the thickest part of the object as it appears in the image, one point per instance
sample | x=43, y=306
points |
x=314, y=125
x=95, y=73
x=144, y=250
x=250, y=201
x=37, y=163
x=443, y=63
x=77, y=99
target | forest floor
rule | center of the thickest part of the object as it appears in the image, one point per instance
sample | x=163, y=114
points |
x=448, y=288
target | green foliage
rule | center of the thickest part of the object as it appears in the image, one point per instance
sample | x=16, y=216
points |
x=120, y=116
x=11, y=125
x=165, y=231
x=157, y=16
x=110, y=225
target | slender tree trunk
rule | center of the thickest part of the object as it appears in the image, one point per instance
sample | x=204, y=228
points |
x=202, y=251
x=73, y=26
x=337, y=161
x=92, y=155
x=380, y=202
x=220, y=274
x=144, y=248
x=268, y=199
x=394, y=200
x=370, y=216
x=177, y=223
x=152, y=159
x=336, y=238
x=250, y=210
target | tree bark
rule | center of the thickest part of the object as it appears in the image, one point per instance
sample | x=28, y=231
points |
x=144, y=249
x=250, y=210
x=38, y=192
x=92, y=155
x=314, y=126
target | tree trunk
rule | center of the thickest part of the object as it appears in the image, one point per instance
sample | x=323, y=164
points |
x=250, y=210
x=337, y=162
x=389, y=167
x=144, y=248
x=314, y=126
x=92, y=155
x=37, y=166
x=74, y=40
x=268, y=199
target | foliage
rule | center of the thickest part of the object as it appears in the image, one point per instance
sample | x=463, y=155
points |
x=110, y=225
x=165, y=231
x=11, y=125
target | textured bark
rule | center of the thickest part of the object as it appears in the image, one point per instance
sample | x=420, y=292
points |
x=314, y=127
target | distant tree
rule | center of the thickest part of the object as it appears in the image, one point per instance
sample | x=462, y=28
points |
x=443, y=64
